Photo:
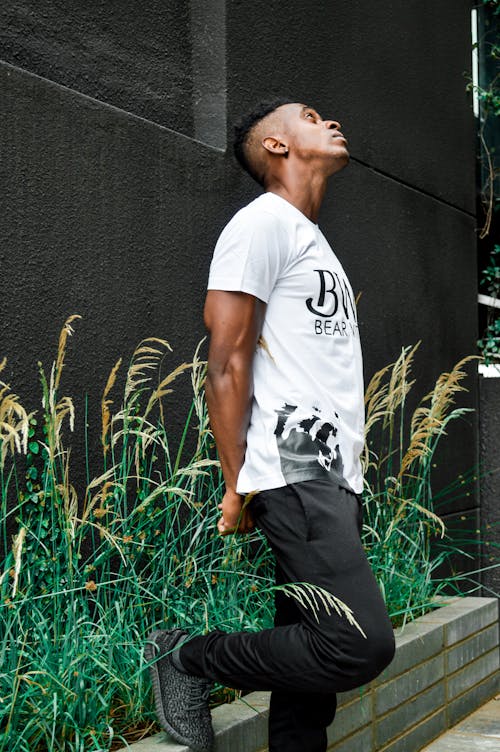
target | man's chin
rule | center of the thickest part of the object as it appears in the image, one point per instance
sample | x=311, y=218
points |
x=340, y=161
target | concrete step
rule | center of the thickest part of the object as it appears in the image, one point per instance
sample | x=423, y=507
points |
x=478, y=732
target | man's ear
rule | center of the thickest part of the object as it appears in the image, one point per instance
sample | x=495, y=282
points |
x=274, y=145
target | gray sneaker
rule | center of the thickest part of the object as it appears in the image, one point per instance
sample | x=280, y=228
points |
x=181, y=700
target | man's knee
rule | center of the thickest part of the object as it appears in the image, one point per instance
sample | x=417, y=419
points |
x=342, y=671
x=380, y=651
x=387, y=649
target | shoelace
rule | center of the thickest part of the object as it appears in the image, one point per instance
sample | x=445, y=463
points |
x=199, y=693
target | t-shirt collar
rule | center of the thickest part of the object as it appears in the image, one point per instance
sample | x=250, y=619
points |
x=294, y=208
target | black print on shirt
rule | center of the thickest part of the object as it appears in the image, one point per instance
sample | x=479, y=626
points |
x=334, y=304
x=306, y=446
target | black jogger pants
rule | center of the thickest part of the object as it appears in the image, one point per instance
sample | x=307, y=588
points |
x=313, y=528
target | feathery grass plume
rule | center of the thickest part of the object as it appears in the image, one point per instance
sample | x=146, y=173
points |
x=313, y=597
x=383, y=400
x=399, y=386
x=144, y=358
x=69, y=498
x=17, y=548
x=55, y=411
x=198, y=378
x=198, y=467
x=429, y=422
x=54, y=423
x=401, y=511
x=66, y=332
x=375, y=394
x=14, y=422
x=105, y=490
x=399, y=520
x=161, y=390
x=105, y=403
x=262, y=342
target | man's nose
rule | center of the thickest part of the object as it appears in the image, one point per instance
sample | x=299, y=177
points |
x=332, y=124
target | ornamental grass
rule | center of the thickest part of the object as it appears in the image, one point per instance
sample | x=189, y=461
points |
x=85, y=577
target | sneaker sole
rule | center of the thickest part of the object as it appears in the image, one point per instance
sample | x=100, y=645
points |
x=150, y=655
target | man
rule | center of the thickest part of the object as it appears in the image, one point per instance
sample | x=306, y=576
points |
x=285, y=397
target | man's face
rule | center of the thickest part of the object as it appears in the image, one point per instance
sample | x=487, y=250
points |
x=311, y=137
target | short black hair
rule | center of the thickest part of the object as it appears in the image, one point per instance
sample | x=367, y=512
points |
x=245, y=124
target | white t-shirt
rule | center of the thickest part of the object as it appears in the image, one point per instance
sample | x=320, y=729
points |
x=307, y=416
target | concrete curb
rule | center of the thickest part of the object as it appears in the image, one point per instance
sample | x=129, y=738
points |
x=446, y=665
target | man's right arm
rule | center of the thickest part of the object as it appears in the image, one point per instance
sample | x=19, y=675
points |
x=234, y=320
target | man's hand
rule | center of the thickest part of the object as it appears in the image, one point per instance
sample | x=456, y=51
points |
x=231, y=508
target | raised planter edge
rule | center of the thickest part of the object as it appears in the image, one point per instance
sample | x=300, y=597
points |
x=451, y=655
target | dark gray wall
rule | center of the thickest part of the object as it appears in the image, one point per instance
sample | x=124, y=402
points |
x=110, y=50
x=391, y=72
x=489, y=389
x=110, y=214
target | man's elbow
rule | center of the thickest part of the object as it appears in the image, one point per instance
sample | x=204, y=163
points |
x=221, y=367
x=232, y=367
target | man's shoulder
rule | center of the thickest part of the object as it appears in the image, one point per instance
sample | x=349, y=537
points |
x=259, y=214
x=263, y=206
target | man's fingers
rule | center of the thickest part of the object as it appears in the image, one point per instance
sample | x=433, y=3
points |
x=235, y=517
x=225, y=529
x=245, y=526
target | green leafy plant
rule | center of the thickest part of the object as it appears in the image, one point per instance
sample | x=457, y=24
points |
x=489, y=344
x=401, y=521
x=488, y=95
x=487, y=90
x=85, y=579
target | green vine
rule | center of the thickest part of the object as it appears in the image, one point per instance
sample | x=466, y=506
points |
x=489, y=344
x=489, y=102
x=488, y=95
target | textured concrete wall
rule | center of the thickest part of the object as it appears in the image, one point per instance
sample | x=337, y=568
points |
x=110, y=214
x=113, y=51
x=489, y=411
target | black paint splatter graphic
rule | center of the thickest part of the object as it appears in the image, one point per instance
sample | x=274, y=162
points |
x=306, y=445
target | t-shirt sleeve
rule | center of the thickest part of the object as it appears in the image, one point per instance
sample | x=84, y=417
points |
x=249, y=255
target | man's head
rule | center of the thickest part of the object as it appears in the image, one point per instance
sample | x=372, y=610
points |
x=281, y=129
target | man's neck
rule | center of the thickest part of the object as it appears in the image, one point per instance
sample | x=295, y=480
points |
x=306, y=195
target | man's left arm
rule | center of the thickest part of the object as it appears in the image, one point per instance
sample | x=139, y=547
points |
x=234, y=320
